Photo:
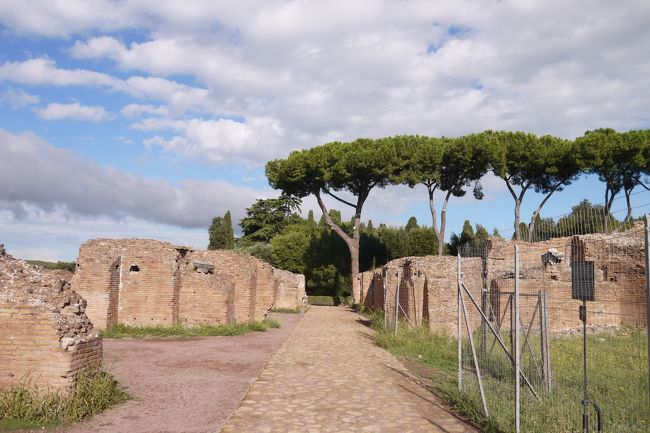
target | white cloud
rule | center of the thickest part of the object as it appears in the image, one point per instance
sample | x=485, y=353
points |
x=44, y=71
x=26, y=236
x=137, y=110
x=79, y=187
x=256, y=139
x=340, y=69
x=18, y=98
x=74, y=111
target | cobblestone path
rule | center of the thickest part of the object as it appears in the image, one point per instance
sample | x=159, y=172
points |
x=329, y=376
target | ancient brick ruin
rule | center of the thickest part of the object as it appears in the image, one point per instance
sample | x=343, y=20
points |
x=45, y=336
x=147, y=282
x=428, y=285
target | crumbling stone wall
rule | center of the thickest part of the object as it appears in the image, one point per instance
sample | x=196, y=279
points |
x=159, y=283
x=45, y=336
x=620, y=282
x=428, y=285
x=427, y=288
x=290, y=289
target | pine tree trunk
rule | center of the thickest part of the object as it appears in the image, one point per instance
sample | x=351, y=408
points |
x=354, y=262
x=443, y=225
x=434, y=223
x=517, y=218
x=352, y=244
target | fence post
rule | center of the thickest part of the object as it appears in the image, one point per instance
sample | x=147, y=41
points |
x=459, y=278
x=544, y=337
x=647, y=284
x=384, y=274
x=397, y=301
x=516, y=345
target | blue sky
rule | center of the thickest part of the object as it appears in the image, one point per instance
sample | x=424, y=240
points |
x=146, y=119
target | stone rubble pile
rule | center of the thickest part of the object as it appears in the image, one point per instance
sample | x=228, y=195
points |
x=24, y=284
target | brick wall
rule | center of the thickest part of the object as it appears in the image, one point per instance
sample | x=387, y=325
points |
x=205, y=297
x=265, y=289
x=145, y=282
x=620, y=284
x=31, y=353
x=146, y=293
x=428, y=285
x=237, y=271
x=99, y=274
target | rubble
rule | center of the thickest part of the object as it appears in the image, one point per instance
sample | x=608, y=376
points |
x=24, y=284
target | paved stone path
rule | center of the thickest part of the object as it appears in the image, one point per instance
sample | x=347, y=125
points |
x=329, y=376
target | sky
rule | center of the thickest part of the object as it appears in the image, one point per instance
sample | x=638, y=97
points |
x=148, y=118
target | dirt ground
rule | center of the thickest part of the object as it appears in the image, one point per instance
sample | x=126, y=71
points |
x=183, y=385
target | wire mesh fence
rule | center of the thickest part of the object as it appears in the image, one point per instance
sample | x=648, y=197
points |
x=523, y=313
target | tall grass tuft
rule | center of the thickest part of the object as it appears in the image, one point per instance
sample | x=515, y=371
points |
x=26, y=407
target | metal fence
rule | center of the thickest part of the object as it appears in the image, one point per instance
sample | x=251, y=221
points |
x=540, y=311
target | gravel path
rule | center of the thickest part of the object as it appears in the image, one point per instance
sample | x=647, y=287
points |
x=329, y=376
x=183, y=385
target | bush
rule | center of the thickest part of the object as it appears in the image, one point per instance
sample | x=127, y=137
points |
x=321, y=300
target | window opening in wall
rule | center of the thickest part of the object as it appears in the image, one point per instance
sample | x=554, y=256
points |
x=134, y=268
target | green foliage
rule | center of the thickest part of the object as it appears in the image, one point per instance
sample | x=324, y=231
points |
x=290, y=248
x=261, y=250
x=355, y=168
x=411, y=224
x=618, y=159
x=66, y=266
x=469, y=242
x=221, y=233
x=584, y=218
x=321, y=300
x=267, y=218
x=179, y=330
x=525, y=161
x=421, y=241
x=94, y=391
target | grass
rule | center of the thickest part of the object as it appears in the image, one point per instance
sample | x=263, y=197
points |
x=321, y=300
x=618, y=380
x=25, y=407
x=178, y=330
x=296, y=310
